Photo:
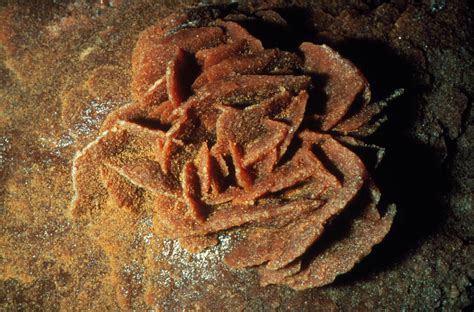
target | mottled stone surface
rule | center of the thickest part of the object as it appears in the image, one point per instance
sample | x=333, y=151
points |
x=53, y=54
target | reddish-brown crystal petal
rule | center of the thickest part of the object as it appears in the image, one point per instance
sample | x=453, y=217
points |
x=237, y=33
x=191, y=192
x=257, y=87
x=206, y=170
x=212, y=56
x=294, y=116
x=148, y=79
x=244, y=65
x=242, y=174
x=165, y=154
x=342, y=255
x=147, y=39
x=344, y=81
x=203, y=164
x=147, y=174
x=264, y=145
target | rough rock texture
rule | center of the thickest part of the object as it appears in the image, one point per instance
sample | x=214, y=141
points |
x=56, y=89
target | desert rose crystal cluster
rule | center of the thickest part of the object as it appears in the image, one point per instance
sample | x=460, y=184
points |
x=224, y=134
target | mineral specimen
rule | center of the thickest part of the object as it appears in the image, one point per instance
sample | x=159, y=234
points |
x=226, y=135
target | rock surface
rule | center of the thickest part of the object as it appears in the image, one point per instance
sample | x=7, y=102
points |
x=59, y=53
